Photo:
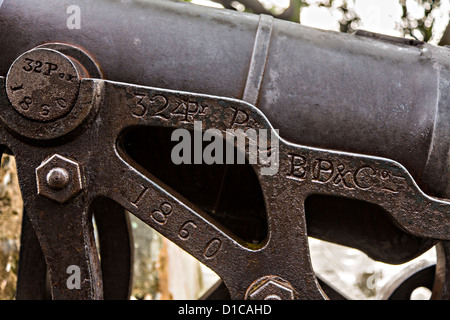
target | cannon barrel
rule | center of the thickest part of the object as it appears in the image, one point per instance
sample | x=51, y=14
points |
x=357, y=93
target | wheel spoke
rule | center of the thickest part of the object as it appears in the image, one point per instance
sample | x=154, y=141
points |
x=32, y=271
x=66, y=237
x=116, y=248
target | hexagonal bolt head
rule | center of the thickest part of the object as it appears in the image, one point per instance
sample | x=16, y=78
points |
x=59, y=178
x=270, y=288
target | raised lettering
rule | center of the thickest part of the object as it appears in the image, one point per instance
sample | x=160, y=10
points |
x=26, y=103
x=187, y=110
x=239, y=118
x=392, y=183
x=343, y=177
x=212, y=248
x=61, y=103
x=139, y=109
x=365, y=177
x=184, y=233
x=51, y=67
x=161, y=103
x=139, y=197
x=45, y=110
x=28, y=66
x=297, y=167
x=160, y=215
x=322, y=170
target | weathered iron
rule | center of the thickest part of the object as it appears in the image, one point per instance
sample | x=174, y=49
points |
x=43, y=90
x=59, y=178
x=65, y=233
x=71, y=133
x=270, y=288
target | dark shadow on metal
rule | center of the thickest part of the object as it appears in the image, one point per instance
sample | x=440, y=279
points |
x=231, y=194
x=116, y=248
x=32, y=272
x=364, y=226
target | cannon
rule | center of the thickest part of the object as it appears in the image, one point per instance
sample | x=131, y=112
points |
x=359, y=124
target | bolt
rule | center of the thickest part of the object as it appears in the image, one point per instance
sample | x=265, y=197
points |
x=58, y=178
x=270, y=288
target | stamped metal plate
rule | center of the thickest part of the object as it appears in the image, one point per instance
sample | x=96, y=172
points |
x=43, y=84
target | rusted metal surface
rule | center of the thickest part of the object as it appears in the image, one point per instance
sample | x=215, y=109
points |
x=365, y=94
x=59, y=178
x=32, y=273
x=352, y=165
x=64, y=227
x=307, y=70
x=116, y=248
x=42, y=90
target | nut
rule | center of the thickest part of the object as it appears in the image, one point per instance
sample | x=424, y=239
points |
x=270, y=288
x=59, y=178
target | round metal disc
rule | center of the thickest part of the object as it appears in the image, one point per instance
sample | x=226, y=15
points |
x=43, y=84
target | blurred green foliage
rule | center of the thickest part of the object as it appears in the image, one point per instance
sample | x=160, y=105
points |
x=414, y=26
x=420, y=28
